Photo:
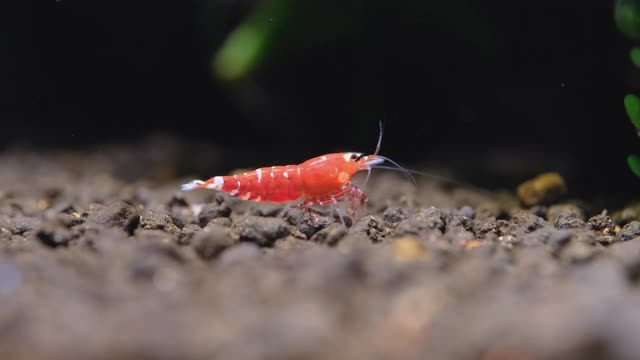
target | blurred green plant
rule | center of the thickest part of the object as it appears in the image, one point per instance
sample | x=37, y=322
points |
x=627, y=17
x=273, y=29
x=632, y=105
x=249, y=43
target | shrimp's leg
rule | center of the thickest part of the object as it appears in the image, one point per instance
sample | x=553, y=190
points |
x=333, y=199
x=357, y=196
x=286, y=209
x=335, y=206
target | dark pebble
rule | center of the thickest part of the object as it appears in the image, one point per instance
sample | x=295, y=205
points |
x=524, y=222
x=628, y=253
x=212, y=240
x=7, y=225
x=601, y=223
x=629, y=231
x=240, y=253
x=425, y=219
x=53, y=235
x=151, y=220
x=392, y=216
x=118, y=214
x=485, y=226
x=578, y=252
x=539, y=210
x=459, y=222
x=23, y=224
x=467, y=211
x=212, y=211
x=155, y=243
x=177, y=200
x=260, y=230
x=370, y=226
x=187, y=234
x=568, y=220
x=559, y=239
x=307, y=222
x=330, y=235
x=556, y=210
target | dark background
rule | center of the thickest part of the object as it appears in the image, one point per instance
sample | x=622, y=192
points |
x=489, y=92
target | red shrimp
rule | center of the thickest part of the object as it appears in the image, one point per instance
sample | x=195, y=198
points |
x=318, y=181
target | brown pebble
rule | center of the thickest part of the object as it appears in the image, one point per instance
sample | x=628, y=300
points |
x=542, y=189
x=408, y=248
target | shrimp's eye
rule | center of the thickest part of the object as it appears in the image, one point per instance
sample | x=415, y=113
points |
x=354, y=157
x=359, y=157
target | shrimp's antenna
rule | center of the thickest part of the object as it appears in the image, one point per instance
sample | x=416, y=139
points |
x=442, y=178
x=379, y=139
x=375, y=153
x=399, y=167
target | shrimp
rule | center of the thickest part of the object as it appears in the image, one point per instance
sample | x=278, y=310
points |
x=322, y=180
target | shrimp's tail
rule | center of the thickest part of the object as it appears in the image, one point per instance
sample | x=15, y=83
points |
x=195, y=184
x=216, y=183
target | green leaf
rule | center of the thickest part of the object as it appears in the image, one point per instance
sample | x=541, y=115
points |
x=250, y=43
x=632, y=105
x=634, y=54
x=634, y=164
x=626, y=14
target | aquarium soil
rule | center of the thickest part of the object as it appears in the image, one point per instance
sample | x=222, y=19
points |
x=102, y=257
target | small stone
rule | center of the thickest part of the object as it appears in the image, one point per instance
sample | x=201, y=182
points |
x=212, y=240
x=23, y=224
x=307, y=222
x=152, y=220
x=523, y=223
x=628, y=253
x=222, y=221
x=212, y=211
x=556, y=210
x=53, y=235
x=629, y=231
x=392, y=216
x=119, y=214
x=7, y=225
x=472, y=244
x=467, y=211
x=260, y=230
x=630, y=213
x=425, y=219
x=542, y=189
x=539, y=210
x=177, y=200
x=560, y=239
x=484, y=226
x=568, y=220
x=371, y=226
x=239, y=253
x=601, y=223
x=459, y=222
x=187, y=234
x=578, y=252
x=408, y=248
x=330, y=235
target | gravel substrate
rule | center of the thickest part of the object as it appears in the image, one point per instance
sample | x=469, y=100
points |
x=102, y=257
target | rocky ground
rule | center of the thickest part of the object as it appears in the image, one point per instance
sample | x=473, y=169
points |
x=102, y=257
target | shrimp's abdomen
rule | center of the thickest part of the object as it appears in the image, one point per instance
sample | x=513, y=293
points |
x=276, y=184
